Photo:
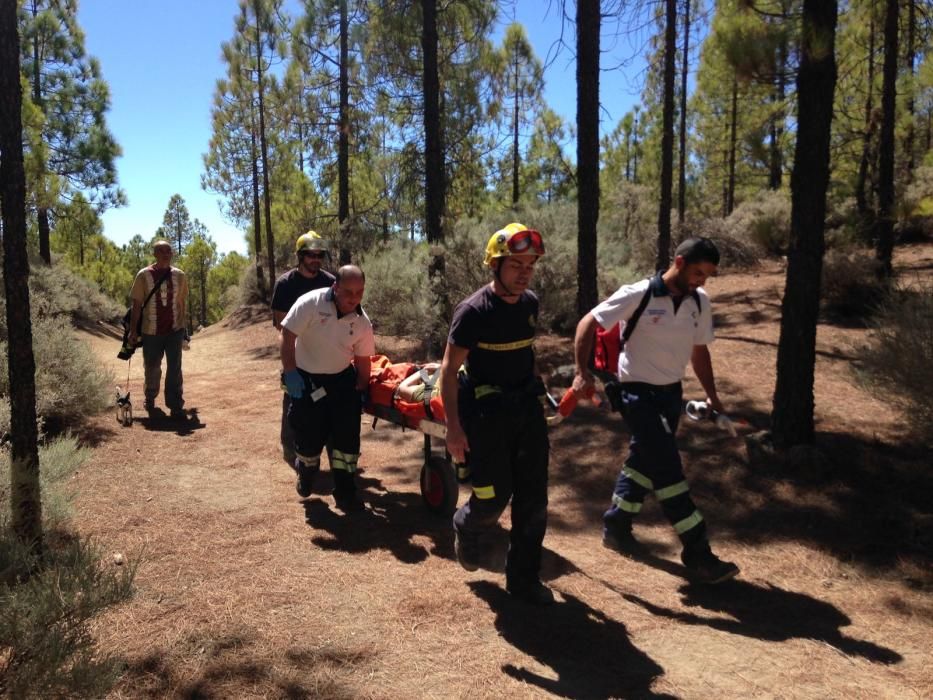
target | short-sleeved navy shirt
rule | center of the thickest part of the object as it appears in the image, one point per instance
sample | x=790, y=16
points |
x=499, y=336
x=293, y=284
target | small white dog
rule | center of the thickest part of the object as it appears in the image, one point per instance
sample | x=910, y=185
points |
x=124, y=408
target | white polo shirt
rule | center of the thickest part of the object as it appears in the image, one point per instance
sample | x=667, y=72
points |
x=661, y=344
x=327, y=340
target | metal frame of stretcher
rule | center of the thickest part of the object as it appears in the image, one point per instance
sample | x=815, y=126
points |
x=439, y=487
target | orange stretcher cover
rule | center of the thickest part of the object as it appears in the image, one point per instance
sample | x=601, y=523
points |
x=384, y=378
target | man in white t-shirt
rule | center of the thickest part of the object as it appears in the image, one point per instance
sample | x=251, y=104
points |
x=326, y=342
x=675, y=326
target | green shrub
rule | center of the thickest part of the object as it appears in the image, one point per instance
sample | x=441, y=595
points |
x=56, y=290
x=70, y=384
x=397, y=296
x=46, y=608
x=763, y=220
x=850, y=286
x=898, y=365
x=59, y=459
x=46, y=605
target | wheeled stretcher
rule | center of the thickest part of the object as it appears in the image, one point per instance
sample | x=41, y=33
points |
x=439, y=477
x=439, y=485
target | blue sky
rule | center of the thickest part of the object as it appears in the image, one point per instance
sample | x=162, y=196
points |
x=161, y=59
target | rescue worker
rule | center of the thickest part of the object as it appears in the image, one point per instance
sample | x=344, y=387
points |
x=308, y=275
x=494, y=412
x=326, y=342
x=675, y=326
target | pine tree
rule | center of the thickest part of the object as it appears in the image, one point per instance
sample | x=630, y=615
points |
x=884, y=227
x=177, y=226
x=25, y=497
x=587, y=37
x=518, y=88
x=792, y=416
x=79, y=152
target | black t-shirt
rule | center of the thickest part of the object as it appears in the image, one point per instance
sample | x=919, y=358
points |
x=293, y=284
x=498, y=335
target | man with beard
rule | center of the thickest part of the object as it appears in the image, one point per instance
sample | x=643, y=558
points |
x=311, y=250
x=674, y=324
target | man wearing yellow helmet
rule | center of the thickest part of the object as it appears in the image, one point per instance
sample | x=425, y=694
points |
x=494, y=412
x=310, y=250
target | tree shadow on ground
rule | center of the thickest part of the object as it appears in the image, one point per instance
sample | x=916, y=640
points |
x=863, y=501
x=590, y=653
x=771, y=614
x=265, y=352
x=101, y=329
x=226, y=668
x=867, y=502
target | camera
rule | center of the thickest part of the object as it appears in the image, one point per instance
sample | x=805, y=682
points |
x=126, y=352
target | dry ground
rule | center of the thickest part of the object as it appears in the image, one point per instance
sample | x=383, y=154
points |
x=244, y=591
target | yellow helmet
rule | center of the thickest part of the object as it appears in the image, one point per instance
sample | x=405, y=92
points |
x=310, y=241
x=514, y=239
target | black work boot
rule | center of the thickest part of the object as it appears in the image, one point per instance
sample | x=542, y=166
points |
x=345, y=497
x=531, y=592
x=306, y=475
x=623, y=542
x=466, y=547
x=705, y=567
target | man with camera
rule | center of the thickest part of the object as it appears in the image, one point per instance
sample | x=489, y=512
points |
x=160, y=296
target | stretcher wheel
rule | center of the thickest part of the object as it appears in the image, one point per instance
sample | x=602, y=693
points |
x=439, y=487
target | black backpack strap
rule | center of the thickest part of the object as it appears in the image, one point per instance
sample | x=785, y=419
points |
x=155, y=288
x=633, y=319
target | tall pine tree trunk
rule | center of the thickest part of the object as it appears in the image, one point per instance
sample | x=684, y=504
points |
x=667, y=137
x=588, y=21
x=434, y=185
x=792, y=417
x=682, y=165
x=733, y=123
x=42, y=213
x=202, y=317
x=263, y=146
x=911, y=48
x=25, y=496
x=776, y=161
x=257, y=218
x=343, y=142
x=515, y=105
x=861, y=197
x=884, y=227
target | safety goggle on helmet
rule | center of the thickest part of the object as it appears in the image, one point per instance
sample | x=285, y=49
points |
x=514, y=239
x=311, y=242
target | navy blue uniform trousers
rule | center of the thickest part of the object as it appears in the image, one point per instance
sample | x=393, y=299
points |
x=652, y=414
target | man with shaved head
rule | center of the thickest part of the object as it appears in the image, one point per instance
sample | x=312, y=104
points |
x=325, y=344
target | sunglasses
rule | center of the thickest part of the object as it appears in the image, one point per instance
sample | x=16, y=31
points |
x=522, y=241
x=312, y=254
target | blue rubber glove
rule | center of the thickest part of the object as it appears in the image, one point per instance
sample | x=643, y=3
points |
x=294, y=383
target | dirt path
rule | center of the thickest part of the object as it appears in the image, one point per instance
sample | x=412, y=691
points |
x=245, y=591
